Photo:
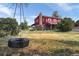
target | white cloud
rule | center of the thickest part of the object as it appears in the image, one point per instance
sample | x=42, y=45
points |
x=5, y=10
x=65, y=6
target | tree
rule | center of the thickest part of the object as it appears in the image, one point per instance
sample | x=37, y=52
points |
x=24, y=25
x=77, y=23
x=55, y=14
x=9, y=25
x=66, y=25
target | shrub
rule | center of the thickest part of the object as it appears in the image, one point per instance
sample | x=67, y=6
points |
x=77, y=23
x=66, y=25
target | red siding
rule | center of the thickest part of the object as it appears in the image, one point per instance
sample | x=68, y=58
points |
x=46, y=19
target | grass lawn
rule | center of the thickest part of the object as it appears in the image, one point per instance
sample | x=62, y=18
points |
x=51, y=43
x=44, y=43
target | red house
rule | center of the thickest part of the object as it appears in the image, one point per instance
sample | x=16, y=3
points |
x=46, y=22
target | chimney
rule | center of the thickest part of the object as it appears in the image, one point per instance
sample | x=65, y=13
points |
x=40, y=19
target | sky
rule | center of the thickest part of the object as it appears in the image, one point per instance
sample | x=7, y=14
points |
x=32, y=10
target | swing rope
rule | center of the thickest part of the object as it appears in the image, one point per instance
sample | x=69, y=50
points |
x=21, y=9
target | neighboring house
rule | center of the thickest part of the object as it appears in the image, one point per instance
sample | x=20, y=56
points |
x=46, y=22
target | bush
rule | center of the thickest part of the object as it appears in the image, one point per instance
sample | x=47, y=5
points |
x=2, y=34
x=77, y=23
x=15, y=32
x=66, y=25
x=24, y=25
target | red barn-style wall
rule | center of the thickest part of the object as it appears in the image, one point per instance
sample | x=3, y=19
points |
x=41, y=20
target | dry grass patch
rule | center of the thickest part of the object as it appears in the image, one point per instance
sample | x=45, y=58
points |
x=48, y=43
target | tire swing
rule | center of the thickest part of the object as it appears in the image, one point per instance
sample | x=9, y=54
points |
x=18, y=42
